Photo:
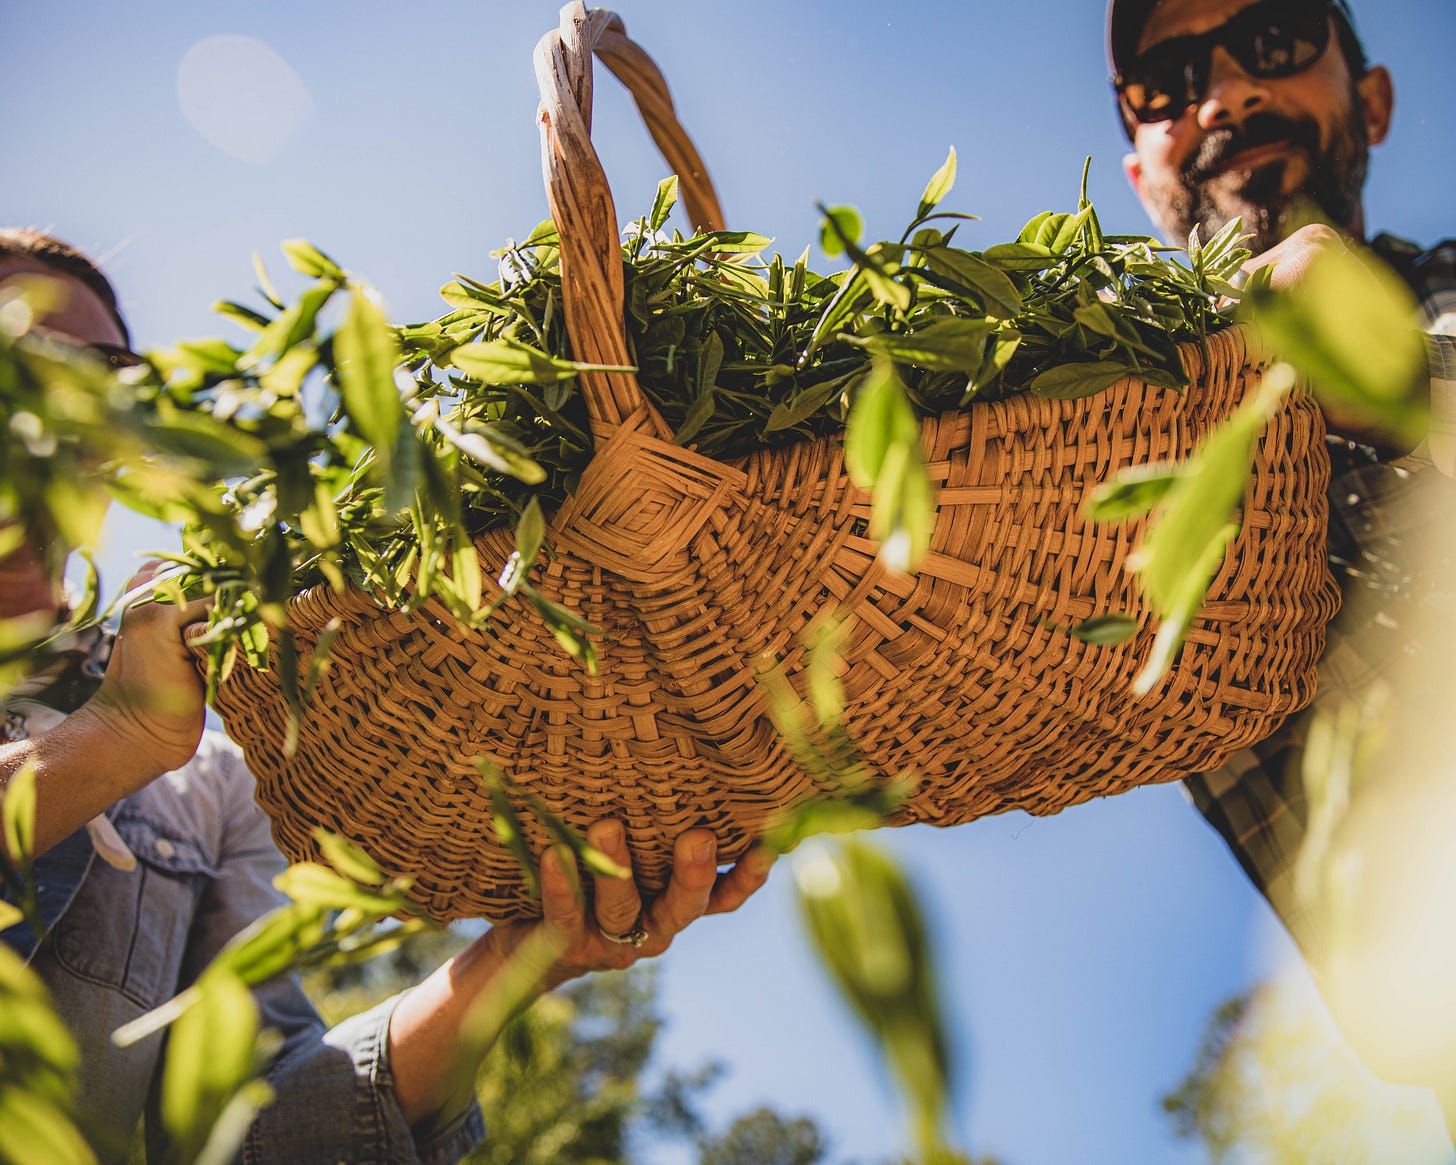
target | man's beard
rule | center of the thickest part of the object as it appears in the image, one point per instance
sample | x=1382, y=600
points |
x=1201, y=195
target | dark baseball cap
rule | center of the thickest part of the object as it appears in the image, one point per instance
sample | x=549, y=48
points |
x=1125, y=20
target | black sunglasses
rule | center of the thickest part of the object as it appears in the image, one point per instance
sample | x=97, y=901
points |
x=1275, y=38
x=114, y=356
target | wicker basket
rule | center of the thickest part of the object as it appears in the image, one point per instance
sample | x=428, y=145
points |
x=699, y=570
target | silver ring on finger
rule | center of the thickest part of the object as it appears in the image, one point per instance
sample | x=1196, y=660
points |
x=633, y=938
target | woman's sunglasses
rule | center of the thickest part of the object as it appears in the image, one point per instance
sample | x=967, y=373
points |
x=1272, y=39
x=114, y=356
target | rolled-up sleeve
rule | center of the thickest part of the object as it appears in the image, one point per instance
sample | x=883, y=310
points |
x=334, y=1092
x=336, y=1103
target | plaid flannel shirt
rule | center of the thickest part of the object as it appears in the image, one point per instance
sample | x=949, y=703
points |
x=1377, y=510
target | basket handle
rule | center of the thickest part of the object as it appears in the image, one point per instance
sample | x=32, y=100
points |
x=581, y=200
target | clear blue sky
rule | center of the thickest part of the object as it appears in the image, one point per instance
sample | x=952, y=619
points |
x=1081, y=954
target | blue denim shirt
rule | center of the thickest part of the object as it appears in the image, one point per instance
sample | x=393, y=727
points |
x=120, y=942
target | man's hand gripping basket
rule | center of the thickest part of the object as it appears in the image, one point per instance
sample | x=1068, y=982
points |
x=700, y=571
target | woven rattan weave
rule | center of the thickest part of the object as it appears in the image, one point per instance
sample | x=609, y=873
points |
x=700, y=571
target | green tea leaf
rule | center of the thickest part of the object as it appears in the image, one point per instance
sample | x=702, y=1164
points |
x=1222, y=249
x=802, y=406
x=879, y=419
x=366, y=354
x=1072, y=381
x=886, y=288
x=841, y=225
x=999, y=354
x=509, y=362
x=589, y=856
x=268, y=945
x=471, y=298
x=1351, y=326
x=698, y=414
x=663, y=203
x=18, y=812
x=1068, y=229
x=867, y=931
x=1195, y=526
x=530, y=532
x=1050, y=230
x=265, y=285
x=1026, y=256
x=1132, y=492
x=348, y=858
x=32, y=1128
x=312, y=884
x=831, y=816
x=734, y=242
x=950, y=344
x=824, y=751
x=493, y=450
x=1195, y=251
x=252, y=320
x=821, y=676
x=210, y=1057
x=570, y=631
x=1032, y=230
x=308, y=260
x=1208, y=488
x=984, y=280
x=902, y=515
x=289, y=371
x=882, y=453
x=299, y=934
x=1182, y=607
x=465, y=573
x=507, y=822
x=841, y=307
x=939, y=186
x=293, y=325
x=200, y=356
x=1106, y=630
x=231, y=1127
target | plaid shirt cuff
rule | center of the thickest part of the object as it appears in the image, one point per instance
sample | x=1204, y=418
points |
x=1441, y=354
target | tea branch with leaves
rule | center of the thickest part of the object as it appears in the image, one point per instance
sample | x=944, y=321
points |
x=353, y=452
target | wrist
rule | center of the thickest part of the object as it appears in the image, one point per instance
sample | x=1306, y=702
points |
x=163, y=725
x=442, y=1028
x=128, y=757
x=82, y=767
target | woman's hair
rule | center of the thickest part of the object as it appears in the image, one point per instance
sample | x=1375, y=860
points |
x=64, y=259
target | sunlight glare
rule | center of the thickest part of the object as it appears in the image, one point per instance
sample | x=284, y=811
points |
x=242, y=97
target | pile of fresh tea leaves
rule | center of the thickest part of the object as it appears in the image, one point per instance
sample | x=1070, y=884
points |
x=361, y=452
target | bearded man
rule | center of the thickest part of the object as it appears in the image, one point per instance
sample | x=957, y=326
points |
x=1266, y=111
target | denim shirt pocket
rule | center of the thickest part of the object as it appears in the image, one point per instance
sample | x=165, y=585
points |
x=127, y=929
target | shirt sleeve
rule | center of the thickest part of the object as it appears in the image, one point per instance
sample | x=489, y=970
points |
x=334, y=1093
x=335, y=1102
